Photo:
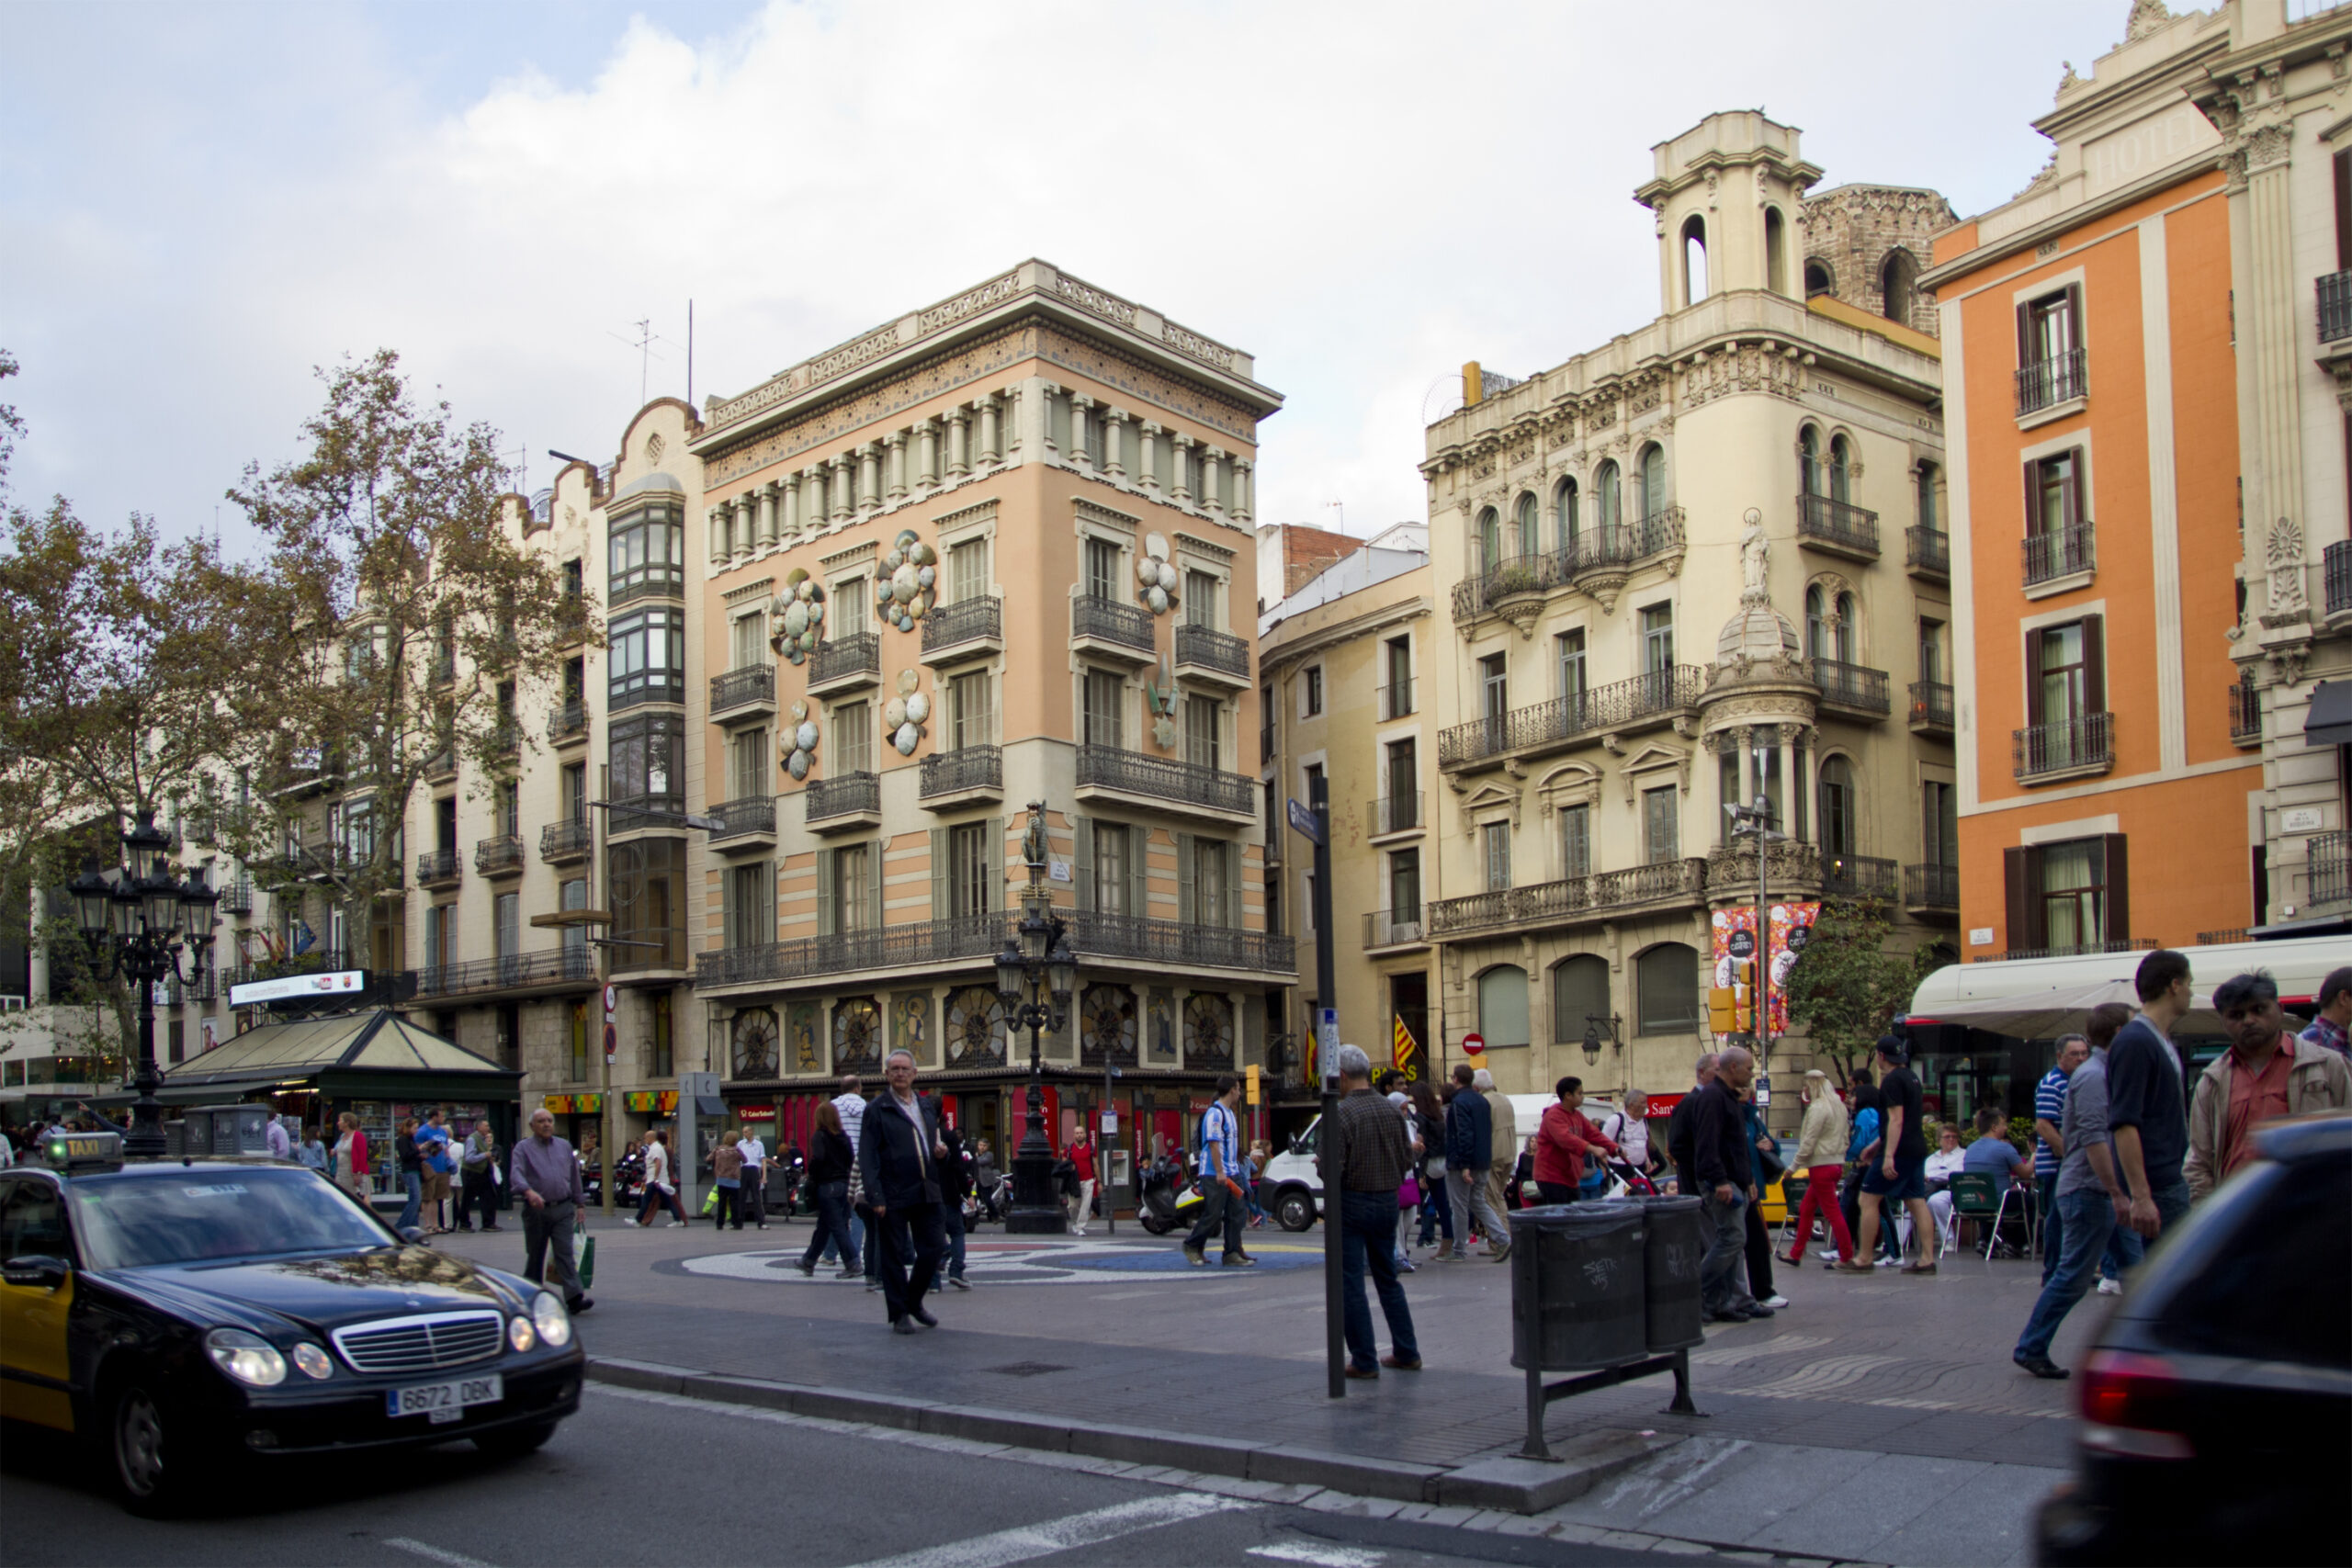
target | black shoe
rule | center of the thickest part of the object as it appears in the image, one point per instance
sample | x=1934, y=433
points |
x=1756, y=1309
x=579, y=1304
x=903, y=1326
x=922, y=1317
x=2040, y=1366
x=487, y=1228
x=807, y=1270
x=1727, y=1315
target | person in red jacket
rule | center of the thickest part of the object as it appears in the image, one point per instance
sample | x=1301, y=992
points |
x=1561, y=1141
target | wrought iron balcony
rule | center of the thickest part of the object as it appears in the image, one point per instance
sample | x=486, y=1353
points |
x=1837, y=526
x=1608, y=546
x=844, y=794
x=2246, y=714
x=567, y=722
x=2064, y=747
x=1393, y=927
x=2335, y=306
x=1396, y=700
x=920, y=944
x=1927, y=552
x=1165, y=779
x=1857, y=877
x=1651, y=698
x=1395, y=813
x=499, y=856
x=845, y=661
x=237, y=898
x=1600, y=896
x=2336, y=572
x=564, y=841
x=516, y=971
x=971, y=624
x=967, y=769
x=1109, y=622
x=1220, y=653
x=2068, y=552
x=754, y=814
x=439, y=868
x=753, y=685
x=1855, y=688
x=2049, y=382
x=1933, y=886
x=2328, y=857
x=1133, y=936
x=1932, y=706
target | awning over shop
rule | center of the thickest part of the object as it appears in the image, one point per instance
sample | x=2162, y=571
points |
x=354, y=1051
x=2329, y=722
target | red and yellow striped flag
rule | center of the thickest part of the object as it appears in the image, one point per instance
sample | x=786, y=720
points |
x=1407, y=1056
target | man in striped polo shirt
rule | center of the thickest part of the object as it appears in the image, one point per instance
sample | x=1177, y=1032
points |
x=2050, y=1144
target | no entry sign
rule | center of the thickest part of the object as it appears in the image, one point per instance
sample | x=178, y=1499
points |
x=1473, y=1044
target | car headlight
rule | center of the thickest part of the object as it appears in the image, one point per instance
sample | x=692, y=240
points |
x=314, y=1361
x=520, y=1334
x=248, y=1358
x=553, y=1322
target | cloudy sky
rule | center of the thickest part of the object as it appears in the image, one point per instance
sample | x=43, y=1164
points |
x=201, y=202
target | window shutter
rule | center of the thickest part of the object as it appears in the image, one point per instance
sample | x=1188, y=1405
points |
x=943, y=886
x=992, y=897
x=2073, y=315
x=2033, y=677
x=1139, y=871
x=1185, y=909
x=1082, y=843
x=873, y=884
x=2077, y=501
x=825, y=870
x=2095, y=663
x=2344, y=209
x=2032, y=498
x=1232, y=884
x=2018, y=894
x=2025, y=335
x=2116, y=916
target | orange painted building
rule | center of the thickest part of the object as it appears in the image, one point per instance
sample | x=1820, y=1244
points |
x=2105, y=798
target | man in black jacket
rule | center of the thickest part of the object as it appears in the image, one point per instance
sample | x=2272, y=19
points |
x=1678, y=1129
x=900, y=1154
x=1723, y=1168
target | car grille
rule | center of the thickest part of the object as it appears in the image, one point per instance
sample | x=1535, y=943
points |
x=394, y=1345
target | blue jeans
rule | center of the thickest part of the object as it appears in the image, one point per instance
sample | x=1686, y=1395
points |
x=2084, y=1218
x=1719, y=1270
x=1437, y=1213
x=854, y=1227
x=2172, y=1207
x=951, y=1214
x=2124, y=1250
x=833, y=1224
x=412, y=1183
x=2053, y=1225
x=1368, y=1241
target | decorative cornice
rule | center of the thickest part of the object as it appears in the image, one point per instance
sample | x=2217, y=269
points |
x=1195, y=542
x=845, y=557
x=748, y=588
x=977, y=512
x=1095, y=511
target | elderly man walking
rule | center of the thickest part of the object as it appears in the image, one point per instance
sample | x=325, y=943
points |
x=545, y=1179
x=898, y=1154
x=1503, y=1153
x=1364, y=1159
x=1723, y=1166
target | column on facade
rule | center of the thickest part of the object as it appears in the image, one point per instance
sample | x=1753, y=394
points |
x=1115, y=441
x=789, y=525
x=843, y=470
x=715, y=519
x=1789, y=779
x=894, y=479
x=1180, y=491
x=767, y=515
x=1211, y=477
x=869, y=475
x=1037, y=428
x=816, y=487
x=992, y=430
x=2275, y=346
x=1147, y=456
x=959, y=445
x=743, y=505
x=1079, y=405
x=1241, y=508
x=927, y=453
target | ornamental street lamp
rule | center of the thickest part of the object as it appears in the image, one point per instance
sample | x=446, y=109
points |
x=138, y=921
x=1036, y=974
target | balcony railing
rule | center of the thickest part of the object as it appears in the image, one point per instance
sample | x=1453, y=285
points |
x=741, y=688
x=842, y=795
x=2072, y=549
x=1601, y=547
x=567, y=721
x=1163, y=778
x=1576, y=897
x=2335, y=570
x=1213, y=649
x=1129, y=626
x=846, y=657
x=754, y=814
x=1932, y=886
x=977, y=619
x=2048, y=382
x=2328, y=858
x=1854, y=686
x=1927, y=551
x=1396, y=699
x=1825, y=520
x=2246, y=714
x=564, y=841
x=2335, y=306
x=1392, y=927
x=1098, y=935
x=2080, y=745
x=1859, y=876
x=922, y=942
x=1931, y=706
x=560, y=966
x=1660, y=692
x=438, y=866
x=970, y=767
x=237, y=898
x=1395, y=813
x=500, y=855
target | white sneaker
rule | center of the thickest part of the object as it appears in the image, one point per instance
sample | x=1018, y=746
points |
x=1827, y=1255
x=1776, y=1302
x=1886, y=1263
x=675, y=1223
x=2110, y=1287
x=1079, y=1231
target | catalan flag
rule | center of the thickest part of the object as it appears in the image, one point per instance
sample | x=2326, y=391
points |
x=1407, y=1052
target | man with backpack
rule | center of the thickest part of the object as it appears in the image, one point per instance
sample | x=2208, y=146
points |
x=1222, y=1173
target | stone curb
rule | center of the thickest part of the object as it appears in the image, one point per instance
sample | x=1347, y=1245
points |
x=1510, y=1485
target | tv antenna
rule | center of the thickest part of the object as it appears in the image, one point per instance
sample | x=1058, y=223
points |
x=643, y=342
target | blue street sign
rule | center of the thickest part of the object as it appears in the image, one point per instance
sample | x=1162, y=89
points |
x=1301, y=821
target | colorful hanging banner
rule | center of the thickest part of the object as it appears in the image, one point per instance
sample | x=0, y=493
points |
x=1735, y=940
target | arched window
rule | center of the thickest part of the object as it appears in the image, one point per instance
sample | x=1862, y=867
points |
x=1818, y=280
x=1502, y=1005
x=1776, y=252
x=1580, y=993
x=1652, y=496
x=1530, y=540
x=1836, y=807
x=1847, y=618
x=1490, y=539
x=1898, y=281
x=1816, y=624
x=1809, y=461
x=1694, y=259
x=1841, y=486
x=1564, y=502
x=1665, y=980
x=1604, y=496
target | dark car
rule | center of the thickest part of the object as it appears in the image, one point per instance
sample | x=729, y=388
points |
x=183, y=1318
x=2217, y=1402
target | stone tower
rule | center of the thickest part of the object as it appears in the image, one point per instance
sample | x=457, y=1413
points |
x=1729, y=195
x=1866, y=243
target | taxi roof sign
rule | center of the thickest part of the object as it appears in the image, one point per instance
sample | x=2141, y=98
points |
x=82, y=1151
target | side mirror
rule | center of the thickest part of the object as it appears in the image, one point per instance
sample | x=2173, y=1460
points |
x=412, y=1235
x=36, y=1272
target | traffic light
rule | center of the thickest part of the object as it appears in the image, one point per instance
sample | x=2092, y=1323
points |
x=1723, y=1010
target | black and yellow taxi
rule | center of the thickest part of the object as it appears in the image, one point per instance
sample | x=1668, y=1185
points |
x=186, y=1318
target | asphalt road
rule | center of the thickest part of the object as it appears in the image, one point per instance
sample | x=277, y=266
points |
x=644, y=1480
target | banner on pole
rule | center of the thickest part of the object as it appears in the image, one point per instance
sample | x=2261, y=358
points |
x=1735, y=938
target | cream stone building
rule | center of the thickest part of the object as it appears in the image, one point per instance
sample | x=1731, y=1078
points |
x=1702, y=560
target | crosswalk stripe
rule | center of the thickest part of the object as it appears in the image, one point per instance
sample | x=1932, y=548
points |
x=1026, y=1541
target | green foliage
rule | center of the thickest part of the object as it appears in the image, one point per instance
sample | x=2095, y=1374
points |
x=1846, y=988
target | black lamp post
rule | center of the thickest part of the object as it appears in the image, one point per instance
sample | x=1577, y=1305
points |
x=1035, y=976
x=137, y=921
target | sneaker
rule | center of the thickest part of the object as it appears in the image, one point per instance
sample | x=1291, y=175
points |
x=1197, y=1257
x=2110, y=1287
x=1500, y=1253
x=1827, y=1255
x=1776, y=1300
x=1886, y=1263
x=1234, y=1260
x=807, y=1270
x=675, y=1223
x=960, y=1282
x=1405, y=1266
x=1756, y=1309
x=2040, y=1366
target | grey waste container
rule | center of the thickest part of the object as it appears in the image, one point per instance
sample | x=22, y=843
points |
x=1576, y=1286
x=1675, y=1243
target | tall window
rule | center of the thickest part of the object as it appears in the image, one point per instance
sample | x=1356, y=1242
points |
x=854, y=888
x=1573, y=674
x=1841, y=467
x=2064, y=672
x=1502, y=1006
x=971, y=710
x=1931, y=650
x=649, y=552
x=1848, y=620
x=1776, y=252
x=2073, y=893
x=648, y=658
x=1665, y=980
x=846, y=614
x=1657, y=639
x=1939, y=822
x=1894, y=285
x=1836, y=807
x=1404, y=886
x=751, y=912
x=1694, y=259
x=509, y=812
x=2050, y=326
x=1401, y=781
x=1311, y=683
x=1575, y=840
x=440, y=935
x=968, y=571
x=747, y=764
x=1528, y=536
x=1579, y=997
x=1203, y=717
x=747, y=640
x=1490, y=539
x=1396, y=655
x=2057, y=542
x=1101, y=568
x=1112, y=844
x=1606, y=512
x=1810, y=478
x=1200, y=599
x=970, y=886
x=1497, y=846
x=1563, y=502
x=575, y=938
x=575, y=791
x=1817, y=622
x=854, y=738
x=648, y=883
x=648, y=762
x=1930, y=511
x=1105, y=697
x=1661, y=840
x=1494, y=686
x=1652, y=496
x=1211, y=878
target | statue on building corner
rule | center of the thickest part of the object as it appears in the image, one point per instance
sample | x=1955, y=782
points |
x=1032, y=840
x=1753, y=563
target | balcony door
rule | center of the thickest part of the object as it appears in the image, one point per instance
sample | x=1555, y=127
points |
x=1102, y=569
x=1105, y=696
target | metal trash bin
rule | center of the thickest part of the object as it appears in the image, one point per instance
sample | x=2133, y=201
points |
x=1578, y=1286
x=1675, y=1244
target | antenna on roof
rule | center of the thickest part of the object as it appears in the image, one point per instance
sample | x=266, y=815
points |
x=643, y=342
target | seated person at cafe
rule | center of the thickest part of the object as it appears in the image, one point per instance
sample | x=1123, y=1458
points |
x=1942, y=1166
x=1993, y=1154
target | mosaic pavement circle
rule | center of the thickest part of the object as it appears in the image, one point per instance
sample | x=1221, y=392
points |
x=1024, y=1262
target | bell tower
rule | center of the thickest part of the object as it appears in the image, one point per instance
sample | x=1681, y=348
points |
x=1726, y=193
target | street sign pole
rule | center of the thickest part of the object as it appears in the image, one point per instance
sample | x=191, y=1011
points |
x=1327, y=1020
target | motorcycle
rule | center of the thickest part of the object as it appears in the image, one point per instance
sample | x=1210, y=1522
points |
x=1168, y=1197
x=794, y=1180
